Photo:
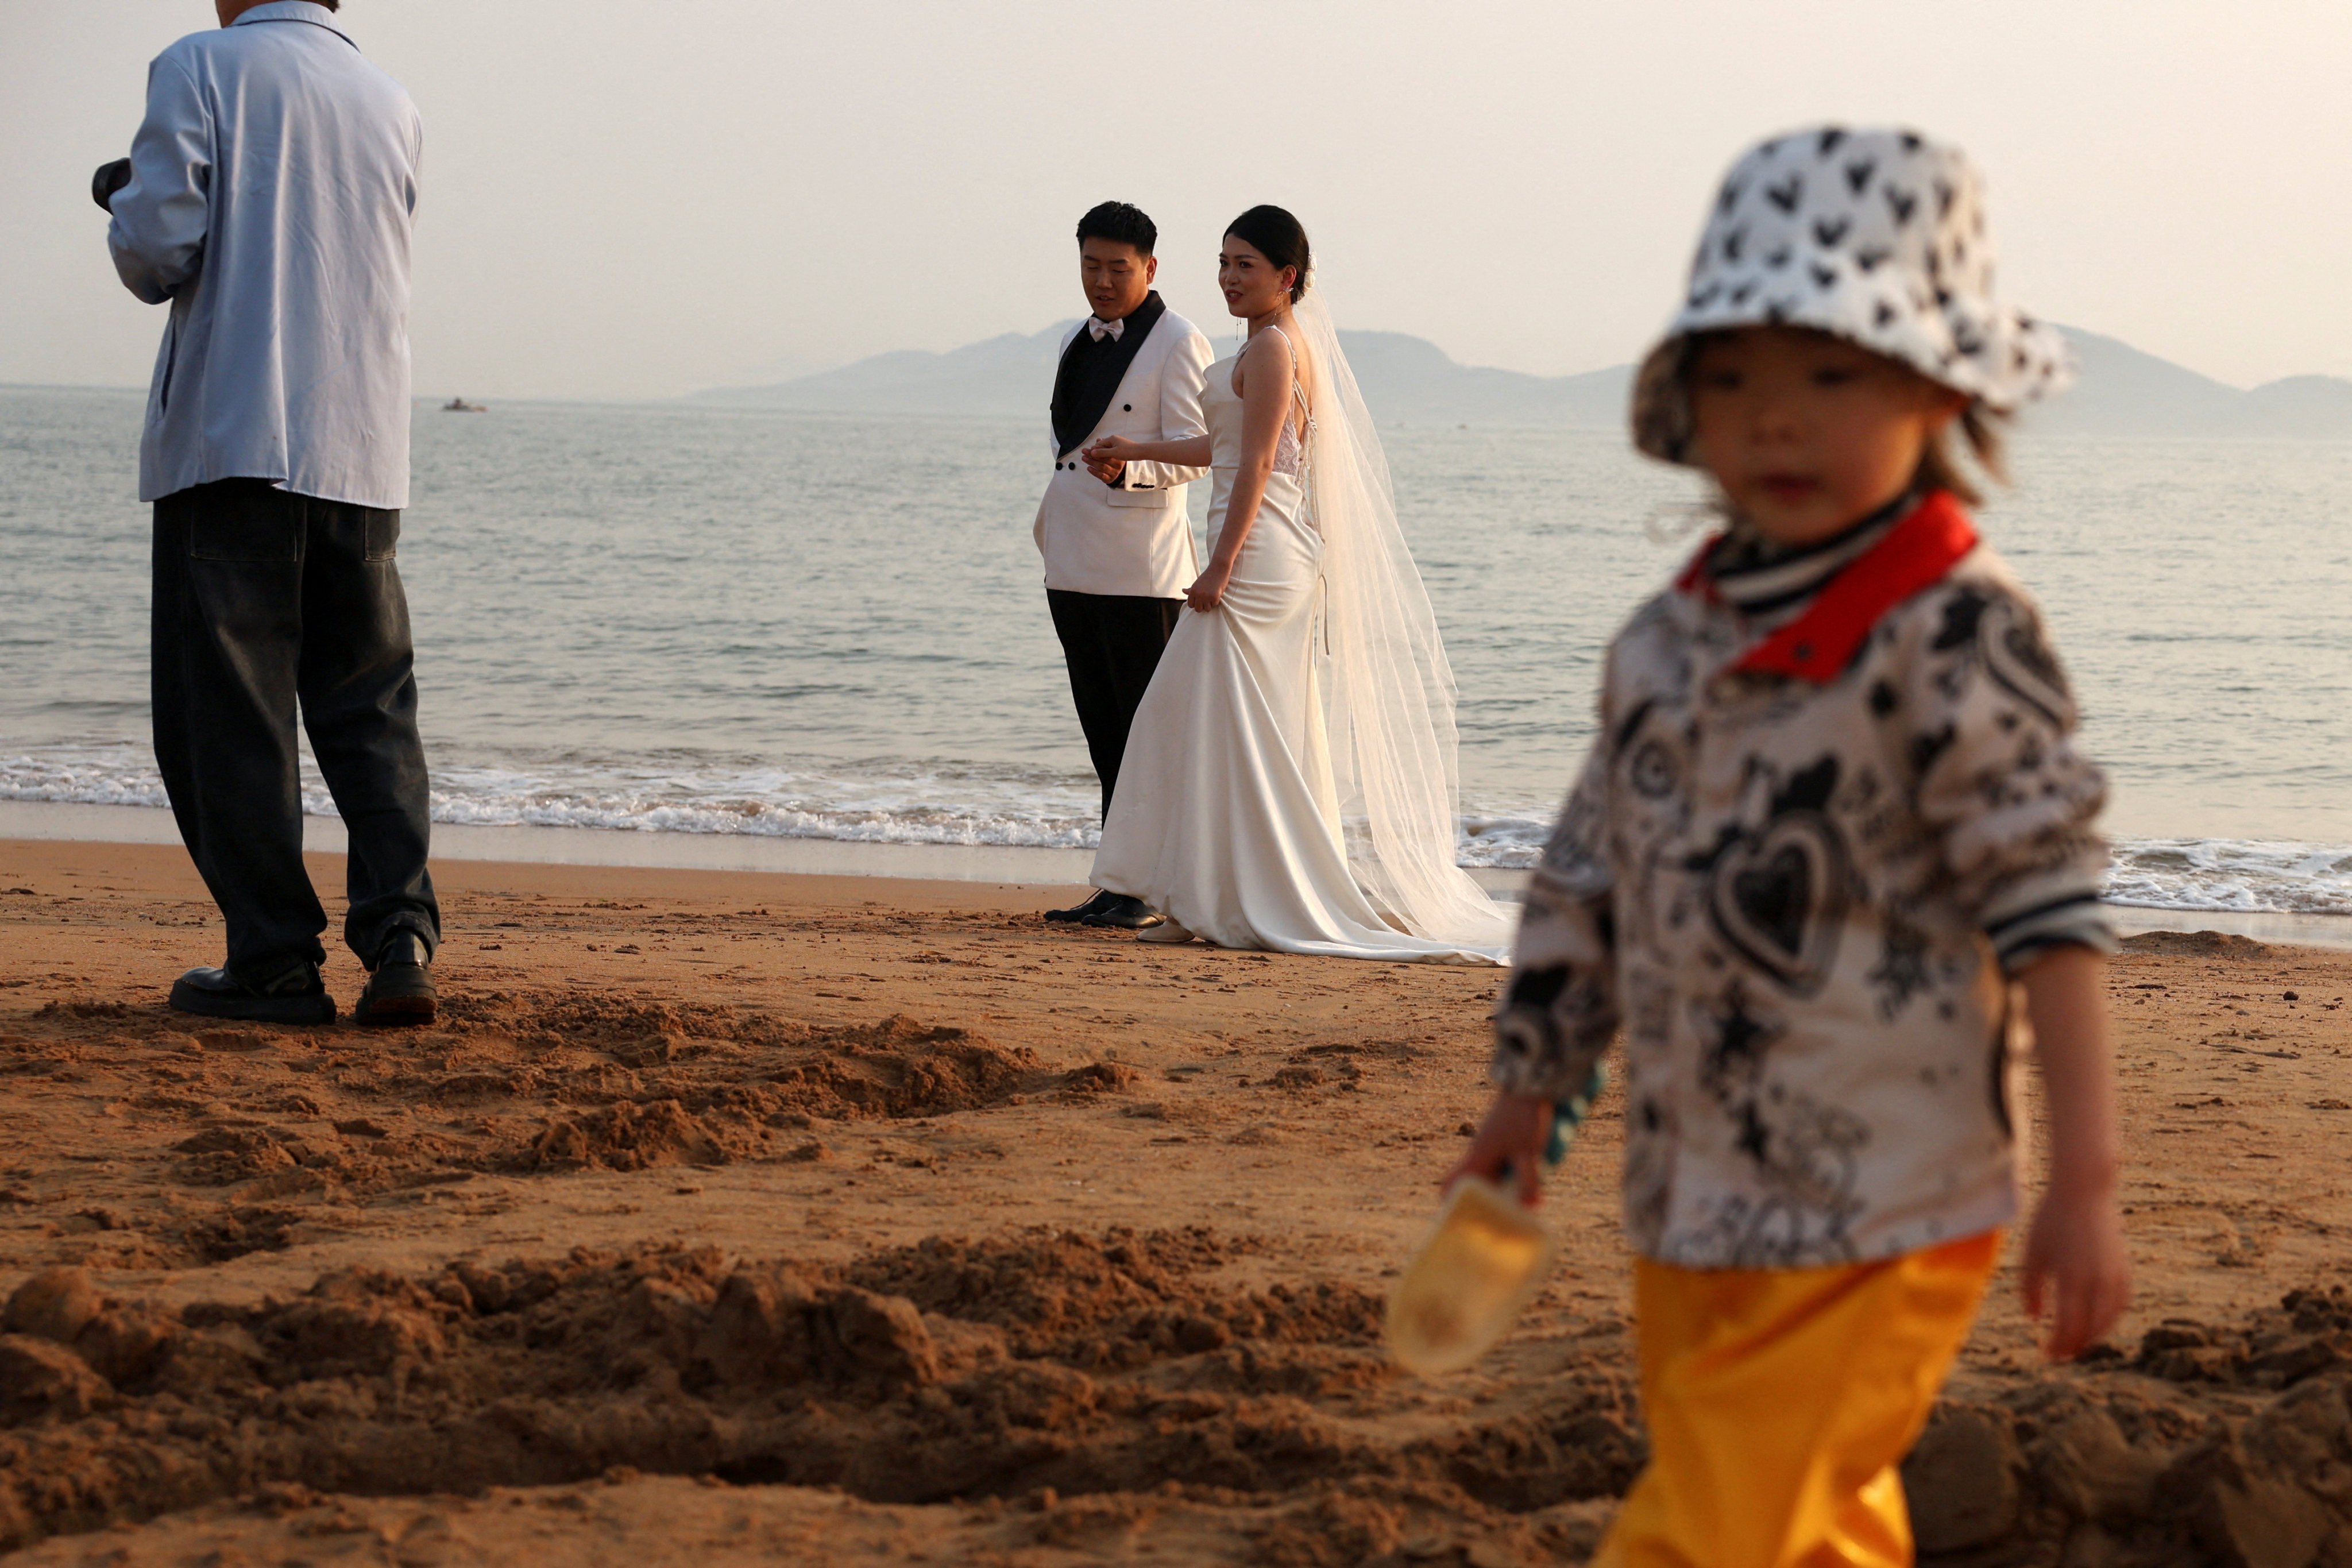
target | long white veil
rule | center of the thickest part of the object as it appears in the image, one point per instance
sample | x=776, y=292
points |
x=1388, y=688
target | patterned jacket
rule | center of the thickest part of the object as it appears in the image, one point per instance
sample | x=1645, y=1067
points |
x=1833, y=805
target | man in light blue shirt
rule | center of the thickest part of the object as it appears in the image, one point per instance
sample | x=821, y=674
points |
x=267, y=199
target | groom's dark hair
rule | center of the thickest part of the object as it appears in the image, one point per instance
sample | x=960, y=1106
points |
x=1121, y=225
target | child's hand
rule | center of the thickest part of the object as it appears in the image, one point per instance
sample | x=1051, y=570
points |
x=2076, y=1265
x=1515, y=1134
x=2076, y=1244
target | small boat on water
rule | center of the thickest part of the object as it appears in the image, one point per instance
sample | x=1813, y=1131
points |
x=459, y=405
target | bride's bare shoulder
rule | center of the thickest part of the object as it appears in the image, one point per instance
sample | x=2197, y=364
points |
x=1272, y=352
x=1267, y=354
x=1271, y=347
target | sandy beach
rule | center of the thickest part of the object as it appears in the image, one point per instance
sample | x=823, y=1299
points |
x=741, y=1218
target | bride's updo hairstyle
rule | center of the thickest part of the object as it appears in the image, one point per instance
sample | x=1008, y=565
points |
x=1273, y=234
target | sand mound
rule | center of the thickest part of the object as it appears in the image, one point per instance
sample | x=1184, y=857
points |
x=2196, y=943
x=1100, y=1377
x=1112, y=1364
x=901, y=1067
x=1049, y=1365
x=544, y=1083
x=625, y=1137
x=897, y=1069
x=1123, y=1304
x=2212, y=1444
x=675, y=1522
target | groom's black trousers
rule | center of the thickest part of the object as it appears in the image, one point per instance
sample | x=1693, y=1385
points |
x=1111, y=643
x=265, y=598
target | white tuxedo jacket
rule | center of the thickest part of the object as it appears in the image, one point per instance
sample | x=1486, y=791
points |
x=1136, y=538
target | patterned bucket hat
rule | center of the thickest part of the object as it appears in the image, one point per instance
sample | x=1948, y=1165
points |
x=1878, y=236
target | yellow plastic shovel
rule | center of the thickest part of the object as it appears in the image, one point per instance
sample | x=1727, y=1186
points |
x=1478, y=1265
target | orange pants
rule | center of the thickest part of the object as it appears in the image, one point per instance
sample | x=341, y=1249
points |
x=1781, y=1402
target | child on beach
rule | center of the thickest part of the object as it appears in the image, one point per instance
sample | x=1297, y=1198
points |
x=1832, y=838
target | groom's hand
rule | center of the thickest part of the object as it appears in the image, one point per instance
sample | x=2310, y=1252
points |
x=1103, y=460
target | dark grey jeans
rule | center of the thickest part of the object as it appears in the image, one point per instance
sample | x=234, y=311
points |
x=263, y=599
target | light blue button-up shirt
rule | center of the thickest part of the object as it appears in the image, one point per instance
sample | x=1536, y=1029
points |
x=271, y=189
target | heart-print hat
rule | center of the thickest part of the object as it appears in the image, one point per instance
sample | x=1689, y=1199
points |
x=1878, y=236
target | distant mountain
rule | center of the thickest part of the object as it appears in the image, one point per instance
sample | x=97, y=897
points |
x=1007, y=375
x=2122, y=391
x=2308, y=407
x=1411, y=381
x=1405, y=380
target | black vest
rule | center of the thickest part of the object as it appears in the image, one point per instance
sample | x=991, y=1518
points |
x=1091, y=371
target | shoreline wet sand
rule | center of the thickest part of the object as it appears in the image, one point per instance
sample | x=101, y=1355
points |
x=734, y=1216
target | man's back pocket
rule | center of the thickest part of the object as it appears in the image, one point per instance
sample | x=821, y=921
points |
x=247, y=520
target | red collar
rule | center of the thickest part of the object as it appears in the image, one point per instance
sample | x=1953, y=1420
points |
x=1819, y=644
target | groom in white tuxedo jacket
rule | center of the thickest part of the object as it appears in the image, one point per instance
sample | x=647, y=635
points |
x=1116, y=537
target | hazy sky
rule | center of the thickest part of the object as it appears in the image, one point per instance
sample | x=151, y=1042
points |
x=625, y=200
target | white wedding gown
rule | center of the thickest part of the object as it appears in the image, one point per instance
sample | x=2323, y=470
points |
x=1226, y=818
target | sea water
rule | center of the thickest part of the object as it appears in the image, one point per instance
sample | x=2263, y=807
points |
x=678, y=619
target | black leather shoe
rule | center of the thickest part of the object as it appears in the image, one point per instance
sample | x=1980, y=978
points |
x=1120, y=912
x=400, y=988
x=296, y=996
x=1077, y=916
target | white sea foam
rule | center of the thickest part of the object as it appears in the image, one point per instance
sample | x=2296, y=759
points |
x=84, y=775
x=908, y=806
x=1509, y=841
x=2232, y=875
x=889, y=802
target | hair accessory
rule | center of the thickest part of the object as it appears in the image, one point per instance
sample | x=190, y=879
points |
x=1878, y=236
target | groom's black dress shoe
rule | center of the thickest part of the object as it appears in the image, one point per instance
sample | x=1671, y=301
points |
x=1120, y=912
x=400, y=988
x=1080, y=913
x=296, y=996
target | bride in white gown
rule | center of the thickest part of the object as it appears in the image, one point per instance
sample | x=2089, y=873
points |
x=1290, y=780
